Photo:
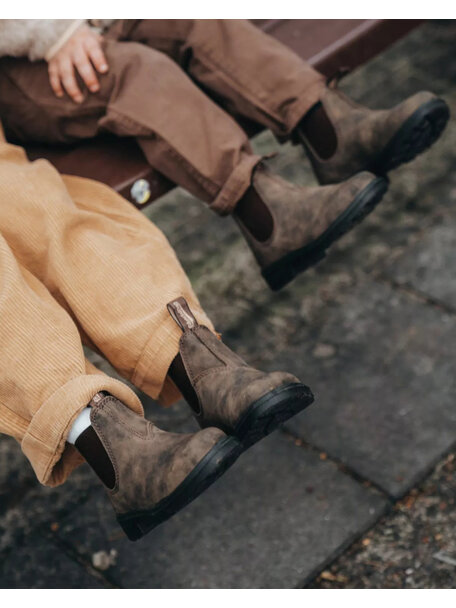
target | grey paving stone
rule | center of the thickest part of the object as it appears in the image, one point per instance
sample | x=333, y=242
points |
x=429, y=265
x=16, y=474
x=37, y=507
x=385, y=387
x=276, y=516
x=39, y=564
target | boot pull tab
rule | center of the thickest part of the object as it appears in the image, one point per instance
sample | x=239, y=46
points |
x=333, y=80
x=181, y=313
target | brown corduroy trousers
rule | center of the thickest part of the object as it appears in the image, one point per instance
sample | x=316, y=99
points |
x=159, y=70
x=78, y=264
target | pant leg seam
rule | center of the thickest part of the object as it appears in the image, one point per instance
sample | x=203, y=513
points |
x=251, y=96
x=228, y=76
x=16, y=415
x=206, y=183
x=134, y=374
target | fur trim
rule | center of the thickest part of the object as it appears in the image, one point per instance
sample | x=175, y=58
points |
x=67, y=34
x=31, y=38
x=102, y=24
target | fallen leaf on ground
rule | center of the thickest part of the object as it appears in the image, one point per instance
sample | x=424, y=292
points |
x=329, y=576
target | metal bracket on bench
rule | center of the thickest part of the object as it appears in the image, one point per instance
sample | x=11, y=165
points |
x=140, y=191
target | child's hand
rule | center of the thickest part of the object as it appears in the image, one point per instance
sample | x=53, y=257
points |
x=81, y=51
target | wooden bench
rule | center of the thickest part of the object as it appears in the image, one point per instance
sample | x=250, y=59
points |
x=327, y=44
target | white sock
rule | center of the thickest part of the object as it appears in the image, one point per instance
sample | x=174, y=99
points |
x=81, y=423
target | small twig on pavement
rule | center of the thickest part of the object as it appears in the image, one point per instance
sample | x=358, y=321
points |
x=443, y=557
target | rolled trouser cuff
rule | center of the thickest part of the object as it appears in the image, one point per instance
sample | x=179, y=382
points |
x=44, y=442
x=235, y=186
x=310, y=96
x=151, y=372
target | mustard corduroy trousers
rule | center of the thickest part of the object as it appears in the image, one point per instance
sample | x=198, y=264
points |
x=78, y=264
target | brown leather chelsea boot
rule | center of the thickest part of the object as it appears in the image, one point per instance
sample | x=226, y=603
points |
x=224, y=391
x=305, y=221
x=369, y=140
x=154, y=474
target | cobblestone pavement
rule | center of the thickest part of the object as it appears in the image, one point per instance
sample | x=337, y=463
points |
x=358, y=491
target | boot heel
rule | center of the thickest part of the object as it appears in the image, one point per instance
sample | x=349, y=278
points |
x=285, y=270
x=138, y=526
x=131, y=528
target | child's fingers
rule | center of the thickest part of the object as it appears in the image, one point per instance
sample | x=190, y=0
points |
x=85, y=69
x=54, y=80
x=93, y=48
x=69, y=80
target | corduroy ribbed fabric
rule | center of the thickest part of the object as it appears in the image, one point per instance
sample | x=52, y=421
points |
x=78, y=263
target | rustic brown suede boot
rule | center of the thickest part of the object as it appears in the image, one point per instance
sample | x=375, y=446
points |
x=374, y=140
x=229, y=394
x=155, y=473
x=306, y=220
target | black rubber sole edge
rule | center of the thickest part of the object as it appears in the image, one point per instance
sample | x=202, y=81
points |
x=271, y=410
x=281, y=272
x=416, y=135
x=218, y=460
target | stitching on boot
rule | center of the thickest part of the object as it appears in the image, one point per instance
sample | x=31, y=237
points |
x=208, y=372
x=221, y=356
x=222, y=371
x=184, y=352
x=118, y=420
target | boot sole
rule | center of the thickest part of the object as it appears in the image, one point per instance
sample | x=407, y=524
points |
x=218, y=460
x=281, y=272
x=267, y=413
x=416, y=135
